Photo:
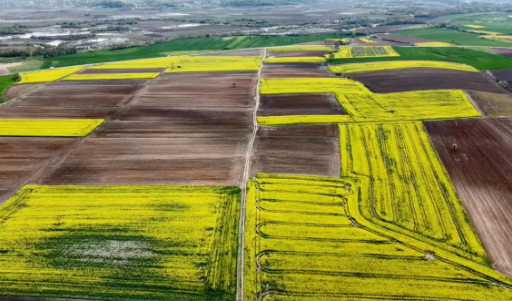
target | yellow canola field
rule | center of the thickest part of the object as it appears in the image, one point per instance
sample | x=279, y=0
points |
x=48, y=127
x=339, y=41
x=303, y=238
x=190, y=64
x=501, y=38
x=120, y=242
x=433, y=44
x=364, y=52
x=213, y=64
x=112, y=76
x=47, y=75
x=391, y=65
x=364, y=40
x=475, y=26
x=363, y=105
x=309, y=59
x=302, y=48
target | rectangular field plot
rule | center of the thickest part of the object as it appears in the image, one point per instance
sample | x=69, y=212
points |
x=376, y=66
x=293, y=70
x=304, y=104
x=21, y=158
x=153, y=161
x=48, y=127
x=297, y=60
x=480, y=170
x=364, y=52
x=301, y=243
x=410, y=191
x=493, y=104
x=120, y=243
x=47, y=75
x=111, y=76
x=306, y=150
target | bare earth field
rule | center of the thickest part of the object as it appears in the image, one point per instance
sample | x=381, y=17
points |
x=304, y=150
x=389, y=81
x=481, y=171
x=22, y=158
x=493, y=104
x=296, y=54
x=294, y=70
x=308, y=104
x=17, y=90
x=110, y=71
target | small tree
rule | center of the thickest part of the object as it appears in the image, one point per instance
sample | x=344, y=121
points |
x=454, y=147
x=17, y=77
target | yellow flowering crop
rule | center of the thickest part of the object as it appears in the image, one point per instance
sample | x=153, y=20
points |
x=485, y=32
x=47, y=75
x=364, y=40
x=302, y=48
x=391, y=65
x=500, y=38
x=340, y=41
x=48, y=127
x=303, y=239
x=120, y=242
x=475, y=26
x=309, y=59
x=112, y=76
x=365, y=52
x=190, y=64
x=432, y=44
x=364, y=105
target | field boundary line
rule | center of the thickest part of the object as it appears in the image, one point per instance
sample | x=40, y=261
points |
x=243, y=202
x=474, y=104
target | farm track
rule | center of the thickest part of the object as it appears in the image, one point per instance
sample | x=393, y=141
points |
x=246, y=175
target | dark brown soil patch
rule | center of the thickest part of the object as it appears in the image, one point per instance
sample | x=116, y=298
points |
x=493, y=104
x=505, y=74
x=52, y=112
x=114, y=82
x=192, y=100
x=401, y=39
x=481, y=170
x=297, y=54
x=294, y=70
x=305, y=150
x=85, y=90
x=17, y=90
x=303, y=104
x=20, y=158
x=63, y=100
x=388, y=81
x=191, y=161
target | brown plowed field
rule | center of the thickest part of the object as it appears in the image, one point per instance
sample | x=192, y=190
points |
x=110, y=71
x=20, y=159
x=505, y=74
x=195, y=100
x=116, y=82
x=139, y=161
x=85, y=90
x=503, y=51
x=388, y=81
x=481, y=170
x=47, y=112
x=61, y=100
x=304, y=150
x=17, y=90
x=209, y=79
x=493, y=104
x=402, y=39
x=294, y=70
x=303, y=104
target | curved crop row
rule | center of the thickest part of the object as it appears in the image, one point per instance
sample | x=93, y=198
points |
x=392, y=65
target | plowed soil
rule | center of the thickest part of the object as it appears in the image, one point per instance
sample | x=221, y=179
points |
x=195, y=100
x=17, y=90
x=21, y=158
x=493, y=104
x=481, y=170
x=305, y=150
x=297, y=54
x=85, y=90
x=303, y=104
x=505, y=74
x=388, y=81
x=110, y=71
x=47, y=112
x=139, y=161
x=71, y=101
x=116, y=82
x=294, y=70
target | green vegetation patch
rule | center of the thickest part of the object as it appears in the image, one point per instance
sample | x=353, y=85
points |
x=478, y=59
x=5, y=82
x=160, y=50
x=452, y=36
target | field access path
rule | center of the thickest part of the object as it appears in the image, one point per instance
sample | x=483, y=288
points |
x=246, y=175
